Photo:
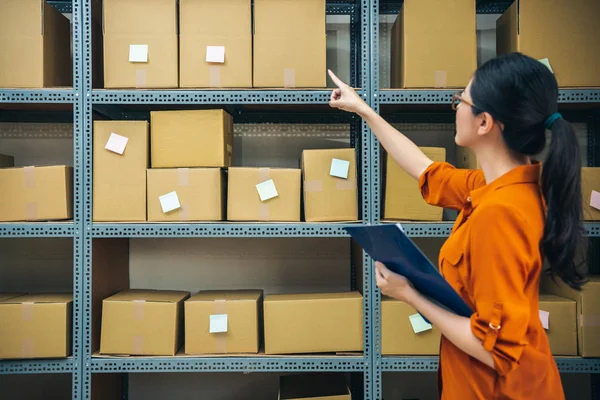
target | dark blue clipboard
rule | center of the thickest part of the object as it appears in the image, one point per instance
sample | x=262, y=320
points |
x=389, y=245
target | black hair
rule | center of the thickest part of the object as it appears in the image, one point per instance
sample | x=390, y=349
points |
x=522, y=93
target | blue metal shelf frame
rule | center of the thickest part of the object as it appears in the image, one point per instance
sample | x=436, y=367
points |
x=62, y=366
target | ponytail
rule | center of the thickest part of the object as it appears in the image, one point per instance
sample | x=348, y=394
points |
x=561, y=187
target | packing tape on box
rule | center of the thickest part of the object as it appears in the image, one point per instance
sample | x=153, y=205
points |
x=289, y=77
x=27, y=350
x=441, y=79
x=183, y=177
x=313, y=186
x=29, y=177
x=31, y=210
x=27, y=311
x=264, y=211
x=140, y=78
x=590, y=320
x=137, y=344
x=220, y=307
x=138, y=309
x=214, y=76
x=340, y=184
x=184, y=211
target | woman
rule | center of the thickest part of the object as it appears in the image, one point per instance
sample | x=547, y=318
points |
x=512, y=214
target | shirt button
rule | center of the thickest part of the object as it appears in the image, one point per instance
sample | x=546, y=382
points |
x=469, y=199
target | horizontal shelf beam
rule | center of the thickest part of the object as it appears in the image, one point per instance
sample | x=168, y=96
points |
x=443, y=229
x=483, y=6
x=229, y=364
x=429, y=364
x=37, y=366
x=100, y=230
x=37, y=96
x=37, y=229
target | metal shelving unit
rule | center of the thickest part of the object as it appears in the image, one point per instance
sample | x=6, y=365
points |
x=267, y=106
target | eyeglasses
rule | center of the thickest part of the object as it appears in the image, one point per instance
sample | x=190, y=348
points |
x=457, y=99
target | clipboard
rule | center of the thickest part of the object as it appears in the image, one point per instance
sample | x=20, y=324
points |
x=390, y=245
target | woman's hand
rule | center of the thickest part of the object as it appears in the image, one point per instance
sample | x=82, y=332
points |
x=345, y=98
x=393, y=285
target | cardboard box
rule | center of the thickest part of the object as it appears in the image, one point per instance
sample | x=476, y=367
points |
x=208, y=23
x=223, y=322
x=588, y=310
x=403, y=199
x=181, y=139
x=289, y=43
x=119, y=189
x=36, y=45
x=130, y=23
x=565, y=34
x=313, y=323
x=244, y=200
x=398, y=337
x=562, y=324
x=6, y=161
x=314, y=386
x=37, y=193
x=327, y=197
x=130, y=320
x=36, y=326
x=441, y=53
x=590, y=182
x=200, y=192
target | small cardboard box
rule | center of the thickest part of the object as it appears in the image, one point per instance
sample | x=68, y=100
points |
x=209, y=30
x=246, y=185
x=590, y=183
x=36, y=326
x=588, y=311
x=35, y=40
x=441, y=53
x=402, y=336
x=328, y=197
x=120, y=179
x=289, y=43
x=218, y=322
x=314, y=386
x=37, y=193
x=313, y=323
x=562, y=324
x=403, y=199
x=565, y=34
x=140, y=44
x=6, y=161
x=130, y=322
x=199, y=192
x=186, y=139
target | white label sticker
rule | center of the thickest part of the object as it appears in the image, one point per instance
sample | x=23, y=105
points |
x=169, y=202
x=419, y=324
x=595, y=200
x=545, y=318
x=138, y=53
x=546, y=62
x=116, y=143
x=218, y=323
x=215, y=54
x=267, y=190
x=339, y=168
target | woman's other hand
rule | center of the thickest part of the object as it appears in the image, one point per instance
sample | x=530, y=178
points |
x=392, y=284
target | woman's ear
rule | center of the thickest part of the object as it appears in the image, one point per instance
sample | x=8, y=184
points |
x=486, y=123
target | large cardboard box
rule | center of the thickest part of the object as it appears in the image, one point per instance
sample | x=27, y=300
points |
x=562, y=324
x=119, y=188
x=245, y=186
x=36, y=326
x=36, y=45
x=143, y=322
x=564, y=32
x=218, y=322
x=403, y=199
x=6, y=161
x=434, y=44
x=588, y=310
x=399, y=337
x=200, y=193
x=215, y=43
x=313, y=323
x=590, y=183
x=181, y=139
x=37, y=193
x=314, y=386
x=140, y=44
x=289, y=43
x=328, y=197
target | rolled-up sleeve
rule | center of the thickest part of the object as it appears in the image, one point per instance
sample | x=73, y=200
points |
x=502, y=256
x=443, y=185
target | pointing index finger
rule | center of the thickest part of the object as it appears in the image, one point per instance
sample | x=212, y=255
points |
x=335, y=79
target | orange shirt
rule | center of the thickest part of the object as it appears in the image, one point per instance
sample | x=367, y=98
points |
x=493, y=260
